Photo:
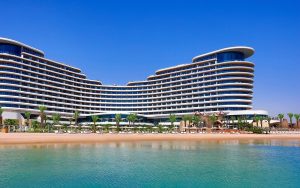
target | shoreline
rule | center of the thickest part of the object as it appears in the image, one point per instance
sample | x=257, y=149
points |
x=52, y=138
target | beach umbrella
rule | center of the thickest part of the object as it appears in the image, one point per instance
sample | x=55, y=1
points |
x=86, y=126
x=73, y=126
x=57, y=125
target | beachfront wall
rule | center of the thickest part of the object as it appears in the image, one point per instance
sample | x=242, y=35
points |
x=221, y=80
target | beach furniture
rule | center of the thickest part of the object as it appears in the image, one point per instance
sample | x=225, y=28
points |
x=59, y=131
x=165, y=129
x=86, y=129
x=112, y=129
x=129, y=130
x=73, y=129
x=100, y=129
x=140, y=129
x=154, y=130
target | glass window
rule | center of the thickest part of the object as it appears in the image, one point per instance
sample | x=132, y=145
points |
x=27, y=50
x=10, y=49
x=230, y=56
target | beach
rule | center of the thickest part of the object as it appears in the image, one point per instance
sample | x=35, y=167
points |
x=47, y=138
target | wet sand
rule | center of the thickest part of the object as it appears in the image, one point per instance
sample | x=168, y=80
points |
x=48, y=138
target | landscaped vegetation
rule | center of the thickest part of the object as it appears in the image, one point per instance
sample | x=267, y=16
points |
x=217, y=122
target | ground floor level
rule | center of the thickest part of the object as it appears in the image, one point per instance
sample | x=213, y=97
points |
x=229, y=119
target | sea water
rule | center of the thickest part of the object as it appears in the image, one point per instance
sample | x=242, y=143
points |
x=231, y=163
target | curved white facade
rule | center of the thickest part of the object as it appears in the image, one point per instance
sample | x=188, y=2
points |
x=217, y=81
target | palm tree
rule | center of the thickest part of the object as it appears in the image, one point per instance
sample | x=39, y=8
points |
x=118, y=119
x=291, y=115
x=56, y=118
x=244, y=122
x=46, y=118
x=185, y=118
x=70, y=120
x=76, y=116
x=297, y=116
x=256, y=119
x=239, y=123
x=281, y=116
x=196, y=120
x=269, y=121
x=212, y=118
x=42, y=110
x=27, y=116
x=94, y=119
x=1, y=119
x=190, y=119
x=172, y=119
x=261, y=121
x=232, y=118
x=131, y=118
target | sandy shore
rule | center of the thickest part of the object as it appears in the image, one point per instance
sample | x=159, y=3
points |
x=46, y=138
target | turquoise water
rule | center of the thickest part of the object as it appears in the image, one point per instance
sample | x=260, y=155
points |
x=152, y=164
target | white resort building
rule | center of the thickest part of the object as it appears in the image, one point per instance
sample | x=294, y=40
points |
x=221, y=80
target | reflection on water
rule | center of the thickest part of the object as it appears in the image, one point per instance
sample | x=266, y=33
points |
x=217, y=163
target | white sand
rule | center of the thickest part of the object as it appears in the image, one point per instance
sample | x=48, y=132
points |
x=45, y=138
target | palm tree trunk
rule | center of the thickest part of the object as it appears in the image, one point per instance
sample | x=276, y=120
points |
x=1, y=121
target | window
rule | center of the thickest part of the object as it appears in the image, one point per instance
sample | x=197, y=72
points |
x=230, y=56
x=10, y=49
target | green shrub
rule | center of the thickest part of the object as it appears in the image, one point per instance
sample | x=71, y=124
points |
x=257, y=130
x=11, y=122
x=160, y=128
x=35, y=125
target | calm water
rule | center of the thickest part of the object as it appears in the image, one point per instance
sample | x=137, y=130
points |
x=152, y=164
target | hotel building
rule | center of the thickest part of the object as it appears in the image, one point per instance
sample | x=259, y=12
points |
x=221, y=80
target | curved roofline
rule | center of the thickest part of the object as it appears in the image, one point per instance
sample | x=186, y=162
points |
x=247, y=51
x=248, y=112
x=10, y=41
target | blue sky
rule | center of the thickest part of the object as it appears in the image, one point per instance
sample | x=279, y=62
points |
x=121, y=41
